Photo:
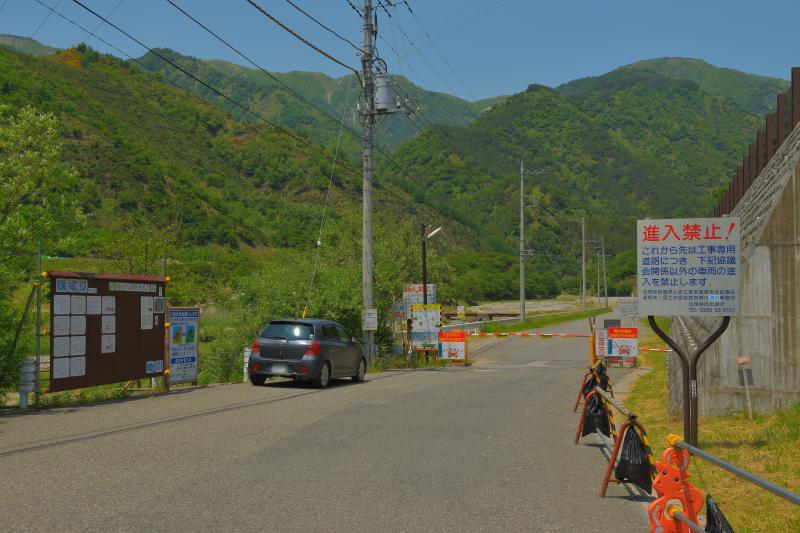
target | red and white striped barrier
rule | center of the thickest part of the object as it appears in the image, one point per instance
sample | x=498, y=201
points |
x=526, y=334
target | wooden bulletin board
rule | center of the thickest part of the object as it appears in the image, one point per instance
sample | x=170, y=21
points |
x=105, y=328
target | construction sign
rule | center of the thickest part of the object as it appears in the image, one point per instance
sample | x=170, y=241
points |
x=453, y=346
x=425, y=325
x=688, y=266
x=623, y=345
x=105, y=328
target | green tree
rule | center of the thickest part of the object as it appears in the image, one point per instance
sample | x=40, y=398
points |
x=37, y=205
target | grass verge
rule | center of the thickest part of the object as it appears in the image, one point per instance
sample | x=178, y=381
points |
x=542, y=320
x=766, y=446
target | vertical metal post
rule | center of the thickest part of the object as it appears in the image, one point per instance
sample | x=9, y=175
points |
x=605, y=277
x=761, y=148
x=424, y=267
x=737, y=188
x=368, y=296
x=772, y=133
x=37, y=383
x=166, y=332
x=689, y=372
x=583, y=261
x=521, y=240
x=795, y=96
x=753, y=162
x=598, y=278
x=746, y=179
x=781, y=118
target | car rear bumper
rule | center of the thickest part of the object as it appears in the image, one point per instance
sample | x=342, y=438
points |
x=302, y=369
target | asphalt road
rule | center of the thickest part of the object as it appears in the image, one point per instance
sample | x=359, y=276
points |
x=483, y=449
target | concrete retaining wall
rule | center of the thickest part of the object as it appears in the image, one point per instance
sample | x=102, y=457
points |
x=768, y=328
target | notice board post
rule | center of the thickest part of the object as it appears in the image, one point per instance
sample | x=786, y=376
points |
x=689, y=267
x=105, y=328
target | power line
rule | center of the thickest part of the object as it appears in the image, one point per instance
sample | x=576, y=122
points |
x=327, y=196
x=47, y=16
x=298, y=95
x=414, y=45
x=444, y=58
x=211, y=88
x=146, y=68
x=356, y=8
x=323, y=26
x=300, y=37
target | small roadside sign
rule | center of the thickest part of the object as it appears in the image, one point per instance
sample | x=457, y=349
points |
x=183, y=342
x=370, y=322
x=461, y=311
x=601, y=343
x=688, y=266
x=628, y=306
x=453, y=346
x=623, y=345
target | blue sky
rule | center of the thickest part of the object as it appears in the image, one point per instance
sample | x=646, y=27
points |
x=494, y=46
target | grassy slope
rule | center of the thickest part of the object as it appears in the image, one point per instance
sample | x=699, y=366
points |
x=766, y=446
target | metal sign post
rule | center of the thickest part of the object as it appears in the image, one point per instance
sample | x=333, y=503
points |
x=689, y=267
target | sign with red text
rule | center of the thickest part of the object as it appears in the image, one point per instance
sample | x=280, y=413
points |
x=453, y=345
x=623, y=345
x=688, y=267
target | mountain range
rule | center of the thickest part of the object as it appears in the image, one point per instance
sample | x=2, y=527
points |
x=654, y=138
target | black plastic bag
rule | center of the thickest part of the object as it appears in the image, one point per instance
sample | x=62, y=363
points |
x=633, y=465
x=589, y=387
x=602, y=374
x=715, y=520
x=596, y=417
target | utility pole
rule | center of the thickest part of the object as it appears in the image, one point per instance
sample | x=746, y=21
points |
x=598, y=277
x=583, y=261
x=425, y=266
x=368, y=296
x=523, y=252
x=522, y=240
x=605, y=278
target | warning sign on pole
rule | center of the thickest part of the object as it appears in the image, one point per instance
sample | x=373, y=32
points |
x=688, y=266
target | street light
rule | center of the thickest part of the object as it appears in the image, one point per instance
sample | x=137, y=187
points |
x=426, y=234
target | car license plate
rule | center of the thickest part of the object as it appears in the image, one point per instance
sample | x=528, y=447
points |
x=280, y=369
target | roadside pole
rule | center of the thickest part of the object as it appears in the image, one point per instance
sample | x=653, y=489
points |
x=368, y=296
x=605, y=277
x=583, y=261
x=521, y=240
x=37, y=383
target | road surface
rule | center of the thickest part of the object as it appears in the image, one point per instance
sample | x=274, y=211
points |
x=483, y=449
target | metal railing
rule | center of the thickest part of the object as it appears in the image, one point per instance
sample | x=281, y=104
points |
x=676, y=442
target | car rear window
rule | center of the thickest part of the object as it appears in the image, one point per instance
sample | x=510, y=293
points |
x=288, y=330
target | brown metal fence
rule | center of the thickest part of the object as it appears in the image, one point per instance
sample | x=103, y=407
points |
x=777, y=128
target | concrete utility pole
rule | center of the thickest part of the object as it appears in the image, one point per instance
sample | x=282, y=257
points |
x=605, y=278
x=583, y=261
x=523, y=252
x=368, y=296
x=521, y=240
x=598, y=277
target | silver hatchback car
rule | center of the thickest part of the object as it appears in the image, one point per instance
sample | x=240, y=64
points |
x=306, y=349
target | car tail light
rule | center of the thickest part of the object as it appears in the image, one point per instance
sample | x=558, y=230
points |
x=256, y=367
x=303, y=370
x=255, y=348
x=313, y=349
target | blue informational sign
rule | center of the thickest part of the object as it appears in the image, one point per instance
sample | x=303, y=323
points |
x=183, y=342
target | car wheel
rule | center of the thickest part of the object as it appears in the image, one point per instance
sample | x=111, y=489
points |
x=362, y=371
x=257, y=379
x=324, y=376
